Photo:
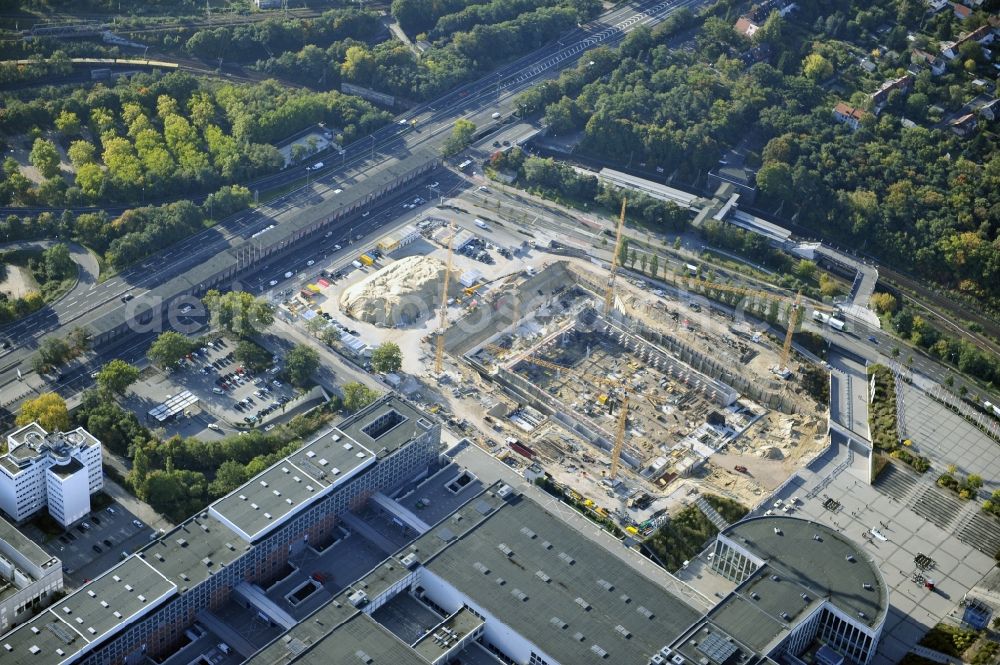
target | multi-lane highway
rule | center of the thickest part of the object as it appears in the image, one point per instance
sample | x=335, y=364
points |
x=413, y=140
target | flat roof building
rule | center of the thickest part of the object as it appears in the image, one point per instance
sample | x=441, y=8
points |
x=232, y=549
x=500, y=573
x=29, y=577
x=796, y=582
x=59, y=470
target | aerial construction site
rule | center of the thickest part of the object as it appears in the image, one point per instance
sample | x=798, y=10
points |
x=633, y=409
x=628, y=395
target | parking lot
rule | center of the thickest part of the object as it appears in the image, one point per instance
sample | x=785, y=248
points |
x=96, y=544
x=228, y=393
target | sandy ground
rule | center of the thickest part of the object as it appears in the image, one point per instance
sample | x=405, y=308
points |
x=18, y=282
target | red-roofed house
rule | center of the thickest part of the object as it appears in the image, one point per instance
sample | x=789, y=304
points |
x=934, y=63
x=746, y=27
x=961, y=11
x=848, y=115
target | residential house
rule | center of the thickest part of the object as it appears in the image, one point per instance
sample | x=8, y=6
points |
x=937, y=5
x=750, y=22
x=961, y=11
x=746, y=27
x=984, y=34
x=881, y=96
x=964, y=125
x=935, y=64
x=848, y=115
x=990, y=110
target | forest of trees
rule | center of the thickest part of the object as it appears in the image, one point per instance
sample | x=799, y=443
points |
x=154, y=135
x=916, y=195
x=469, y=42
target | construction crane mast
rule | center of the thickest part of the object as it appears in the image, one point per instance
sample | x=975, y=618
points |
x=609, y=294
x=787, y=348
x=443, y=320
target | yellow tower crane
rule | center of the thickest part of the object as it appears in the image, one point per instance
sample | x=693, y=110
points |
x=609, y=293
x=787, y=348
x=443, y=320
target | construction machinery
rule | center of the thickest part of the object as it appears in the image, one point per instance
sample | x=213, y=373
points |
x=443, y=319
x=475, y=287
x=623, y=393
x=609, y=293
x=793, y=312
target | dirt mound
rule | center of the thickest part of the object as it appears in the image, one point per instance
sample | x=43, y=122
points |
x=400, y=294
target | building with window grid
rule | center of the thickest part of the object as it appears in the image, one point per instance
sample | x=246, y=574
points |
x=799, y=585
x=58, y=470
x=143, y=605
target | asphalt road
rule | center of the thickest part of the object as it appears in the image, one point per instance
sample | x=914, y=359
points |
x=426, y=126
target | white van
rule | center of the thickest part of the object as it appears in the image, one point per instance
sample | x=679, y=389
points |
x=224, y=648
x=496, y=115
x=480, y=223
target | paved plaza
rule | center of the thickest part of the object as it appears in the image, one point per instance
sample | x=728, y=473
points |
x=947, y=438
x=847, y=503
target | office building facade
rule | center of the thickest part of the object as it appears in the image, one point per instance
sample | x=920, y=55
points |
x=29, y=577
x=58, y=470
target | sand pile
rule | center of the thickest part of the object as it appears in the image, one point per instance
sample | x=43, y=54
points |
x=399, y=294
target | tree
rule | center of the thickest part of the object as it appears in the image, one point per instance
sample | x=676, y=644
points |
x=48, y=410
x=79, y=339
x=654, y=265
x=253, y=356
x=230, y=475
x=90, y=178
x=300, y=364
x=140, y=470
x=884, y=303
x=169, y=348
x=805, y=269
x=116, y=376
x=828, y=286
x=68, y=124
x=643, y=260
x=81, y=152
x=52, y=351
x=357, y=395
x=238, y=312
x=58, y=262
x=387, y=358
x=461, y=136
x=45, y=157
x=817, y=68
x=775, y=180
